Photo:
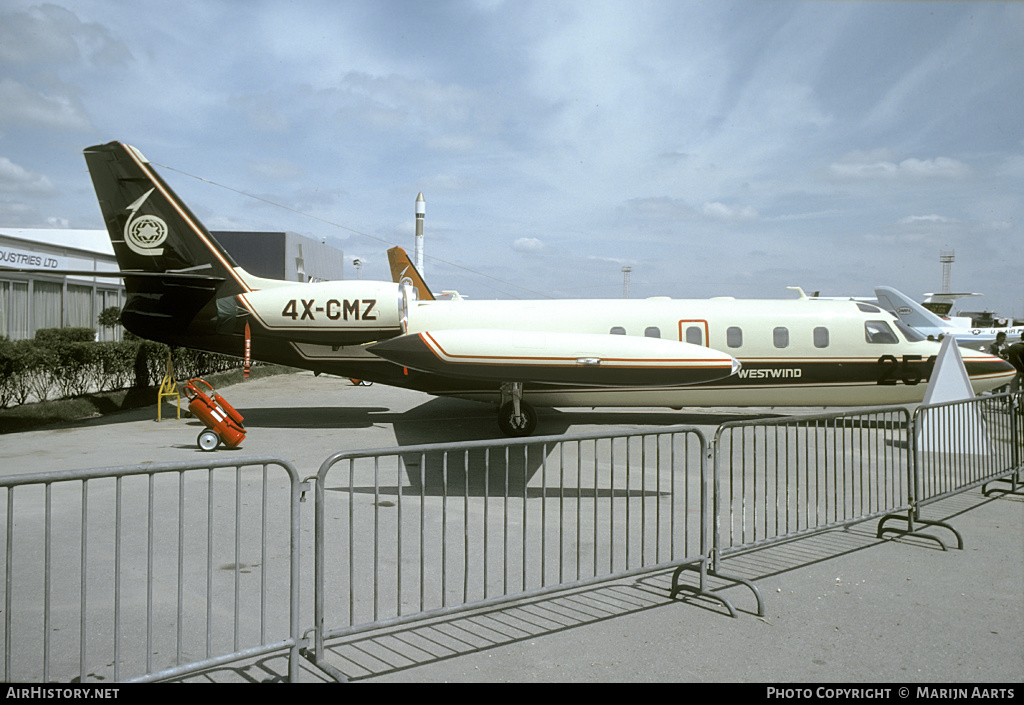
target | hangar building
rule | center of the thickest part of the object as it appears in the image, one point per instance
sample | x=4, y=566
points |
x=283, y=255
x=29, y=302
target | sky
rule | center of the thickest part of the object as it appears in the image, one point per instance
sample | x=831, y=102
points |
x=716, y=148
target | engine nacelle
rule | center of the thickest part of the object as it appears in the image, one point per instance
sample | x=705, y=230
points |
x=329, y=313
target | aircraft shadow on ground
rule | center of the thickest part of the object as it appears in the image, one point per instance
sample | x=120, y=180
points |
x=446, y=420
x=510, y=471
x=313, y=416
x=474, y=473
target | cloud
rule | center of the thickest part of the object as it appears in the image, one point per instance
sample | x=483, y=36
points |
x=53, y=36
x=860, y=166
x=23, y=106
x=902, y=239
x=528, y=245
x=720, y=211
x=18, y=180
x=926, y=219
x=941, y=167
x=618, y=261
x=634, y=131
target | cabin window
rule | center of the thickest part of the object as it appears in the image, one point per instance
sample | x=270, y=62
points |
x=734, y=337
x=780, y=336
x=694, y=335
x=652, y=332
x=879, y=333
x=618, y=330
x=821, y=337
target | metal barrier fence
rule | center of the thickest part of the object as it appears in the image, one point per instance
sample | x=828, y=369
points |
x=965, y=444
x=148, y=571
x=781, y=478
x=154, y=571
x=421, y=531
x=958, y=446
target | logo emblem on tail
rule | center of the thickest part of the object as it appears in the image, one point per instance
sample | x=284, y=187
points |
x=144, y=234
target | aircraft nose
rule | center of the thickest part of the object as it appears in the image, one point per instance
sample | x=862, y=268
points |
x=990, y=367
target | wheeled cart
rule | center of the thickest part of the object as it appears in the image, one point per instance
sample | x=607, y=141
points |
x=223, y=422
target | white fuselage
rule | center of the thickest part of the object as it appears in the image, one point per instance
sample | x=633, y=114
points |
x=798, y=352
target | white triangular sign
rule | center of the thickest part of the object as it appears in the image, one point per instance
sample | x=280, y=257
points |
x=949, y=380
x=957, y=429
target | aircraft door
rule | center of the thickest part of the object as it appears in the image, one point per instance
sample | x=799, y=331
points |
x=694, y=332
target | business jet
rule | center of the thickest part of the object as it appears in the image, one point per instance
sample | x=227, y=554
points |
x=924, y=321
x=184, y=289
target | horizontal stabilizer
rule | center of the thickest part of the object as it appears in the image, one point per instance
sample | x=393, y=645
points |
x=121, y=274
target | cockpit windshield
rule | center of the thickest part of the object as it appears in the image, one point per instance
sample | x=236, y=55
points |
x=879, y=333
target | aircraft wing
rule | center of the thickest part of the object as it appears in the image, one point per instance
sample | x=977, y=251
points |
x=562, y=358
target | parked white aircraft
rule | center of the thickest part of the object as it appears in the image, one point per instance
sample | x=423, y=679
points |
x=926, y=322
x=184, y=289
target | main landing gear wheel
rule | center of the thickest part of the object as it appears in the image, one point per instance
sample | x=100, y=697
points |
x=519, y=425
x=208, y=440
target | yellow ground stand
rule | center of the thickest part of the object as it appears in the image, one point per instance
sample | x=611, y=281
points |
x=168, y=388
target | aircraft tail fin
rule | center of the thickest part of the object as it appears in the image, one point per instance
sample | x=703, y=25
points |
x=153, y=232
x=403, y=270
x=907, y=310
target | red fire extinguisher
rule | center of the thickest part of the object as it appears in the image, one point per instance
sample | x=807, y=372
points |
x=223, y=422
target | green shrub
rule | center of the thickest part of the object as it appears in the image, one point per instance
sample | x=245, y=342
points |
x=58, y=336
x=67, y=362
x=109, y=317
x=8, y=369
x=117, y=364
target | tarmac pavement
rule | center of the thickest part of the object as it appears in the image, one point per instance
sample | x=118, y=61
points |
x=842, y=606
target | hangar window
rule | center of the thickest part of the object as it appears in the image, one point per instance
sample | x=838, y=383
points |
x=618, y=330
x=780, y=336
x=821, y=337
x=78, y=307
x=14, y=310
x=46, y=305
x=694, y=335
x=652, y=332
x=734, y=337
x=879, y=333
